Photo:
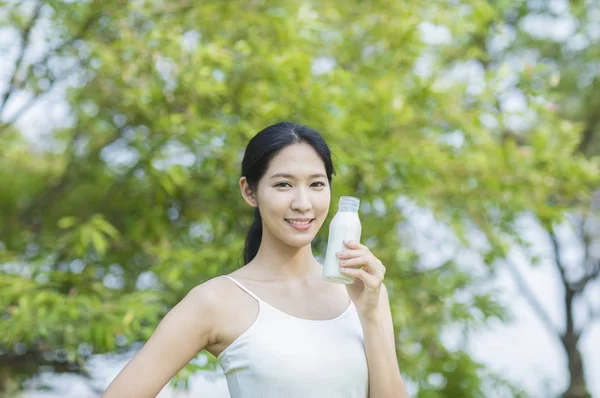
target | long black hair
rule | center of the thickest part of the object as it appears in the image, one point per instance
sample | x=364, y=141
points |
x=259, y=152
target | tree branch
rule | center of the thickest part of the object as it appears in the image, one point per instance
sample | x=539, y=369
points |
x=585, y=238
x=557, y=260
x=593, y=121
x=35, y=98
x=13, y=85
x=25, y=37
x=582, y=283
x=591, y=270
x=587, y=135
x=531, y=299
x=569, y=291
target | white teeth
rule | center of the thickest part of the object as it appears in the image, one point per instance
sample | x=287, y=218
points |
x=298, y=222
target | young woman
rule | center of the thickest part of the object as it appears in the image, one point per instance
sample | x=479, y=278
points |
x=277, y=327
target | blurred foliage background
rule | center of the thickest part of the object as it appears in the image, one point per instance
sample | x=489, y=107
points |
x=478, y=113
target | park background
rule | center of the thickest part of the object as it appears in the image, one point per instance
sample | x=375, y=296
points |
x=469, y=129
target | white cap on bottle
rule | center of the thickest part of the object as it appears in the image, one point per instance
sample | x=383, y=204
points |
x=349, y=203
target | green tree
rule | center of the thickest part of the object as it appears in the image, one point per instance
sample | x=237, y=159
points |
x=135, y=201
x=548, y=52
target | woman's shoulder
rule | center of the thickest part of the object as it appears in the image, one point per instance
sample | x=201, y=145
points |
x=212, y=291
x=219, y=302
x=216, y=296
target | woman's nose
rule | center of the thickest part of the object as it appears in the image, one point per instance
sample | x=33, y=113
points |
x=301, y=201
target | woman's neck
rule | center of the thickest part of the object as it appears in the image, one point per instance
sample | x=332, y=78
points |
x=286, y=262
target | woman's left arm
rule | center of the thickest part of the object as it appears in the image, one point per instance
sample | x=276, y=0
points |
x=372, y=302
x=384, y=374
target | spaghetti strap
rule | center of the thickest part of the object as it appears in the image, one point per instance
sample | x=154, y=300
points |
x=244, y=288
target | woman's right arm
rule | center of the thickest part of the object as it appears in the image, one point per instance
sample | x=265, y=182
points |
x=185, y=331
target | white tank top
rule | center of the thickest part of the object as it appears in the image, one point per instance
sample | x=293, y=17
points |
x=282, y=356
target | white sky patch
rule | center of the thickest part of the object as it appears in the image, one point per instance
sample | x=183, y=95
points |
x=174, y=153
x=547, y=27
x=190, y=40
x=434, y=34
x=322, y=65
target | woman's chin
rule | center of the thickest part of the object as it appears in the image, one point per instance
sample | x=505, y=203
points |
x=299, y=241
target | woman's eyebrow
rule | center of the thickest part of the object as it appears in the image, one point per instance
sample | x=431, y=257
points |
x=285, y=175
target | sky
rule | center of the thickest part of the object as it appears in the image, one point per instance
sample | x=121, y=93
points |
x=523, y=352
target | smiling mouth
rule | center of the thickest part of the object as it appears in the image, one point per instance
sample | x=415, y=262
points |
x=299, y=222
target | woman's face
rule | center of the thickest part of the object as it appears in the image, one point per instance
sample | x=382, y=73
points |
x=294, y=194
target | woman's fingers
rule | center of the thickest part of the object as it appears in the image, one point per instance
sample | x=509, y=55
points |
x=345, y=254
x=371, y=263
x=369, y=280
x=351, y=244
x=360, y=255
x=354, y=262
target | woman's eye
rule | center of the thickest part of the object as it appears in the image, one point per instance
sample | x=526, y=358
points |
x=284, y=184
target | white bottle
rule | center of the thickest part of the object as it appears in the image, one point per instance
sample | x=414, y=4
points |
x=344, y=226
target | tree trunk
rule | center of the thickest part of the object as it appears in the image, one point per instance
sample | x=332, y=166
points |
x=8, y=386
x=577, y=387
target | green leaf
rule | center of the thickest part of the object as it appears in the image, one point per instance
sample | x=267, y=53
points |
x=66, y=222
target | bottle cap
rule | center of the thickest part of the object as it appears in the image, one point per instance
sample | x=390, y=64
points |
x=349, y=203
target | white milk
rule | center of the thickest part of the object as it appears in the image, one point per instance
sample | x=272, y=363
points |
x=344, y=226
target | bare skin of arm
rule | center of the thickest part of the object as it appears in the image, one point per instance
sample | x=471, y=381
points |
x=185, y=331
x=384, y=374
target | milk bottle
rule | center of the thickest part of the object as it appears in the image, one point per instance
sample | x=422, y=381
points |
x=344, y=226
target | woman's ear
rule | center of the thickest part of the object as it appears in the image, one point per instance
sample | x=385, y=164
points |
x=247, y=192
